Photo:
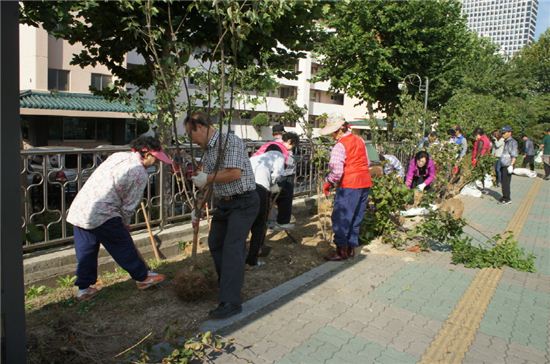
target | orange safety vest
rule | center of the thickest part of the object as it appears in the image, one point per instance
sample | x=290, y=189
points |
x=356, y=165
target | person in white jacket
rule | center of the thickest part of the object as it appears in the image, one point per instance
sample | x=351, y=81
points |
x=269, y=168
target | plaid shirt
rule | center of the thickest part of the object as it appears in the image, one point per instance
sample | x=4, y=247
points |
x=235, y=156
x=337, y=160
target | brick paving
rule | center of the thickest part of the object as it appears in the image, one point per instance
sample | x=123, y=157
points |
x=388, y=306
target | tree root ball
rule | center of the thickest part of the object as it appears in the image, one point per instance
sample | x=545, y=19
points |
x=454, y=206
x=193, y=283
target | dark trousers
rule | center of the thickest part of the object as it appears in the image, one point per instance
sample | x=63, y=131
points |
x=117, y=241
x=529, y=159
x=498, y=171
x=284, y=201
x=347, y=215
x=546, y=169
x=230, y=226
x=259, y=227
x=506, y=181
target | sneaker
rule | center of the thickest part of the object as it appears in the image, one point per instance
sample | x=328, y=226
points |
x=225, y=310
x=283, y=227
x=505, y=202
x=87, y=293
x=152, y=280
x=258, y=264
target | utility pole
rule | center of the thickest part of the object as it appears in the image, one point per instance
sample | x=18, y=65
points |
x=12, y=312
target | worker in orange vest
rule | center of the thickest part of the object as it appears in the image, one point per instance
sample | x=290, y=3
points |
x=349, y=174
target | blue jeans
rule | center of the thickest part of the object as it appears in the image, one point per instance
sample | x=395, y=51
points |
x=498, y=166
x=349, y=209
x=117, y=241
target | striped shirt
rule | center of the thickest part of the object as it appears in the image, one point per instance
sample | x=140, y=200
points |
x=393, y=164
x=336, y=163
x=235, y=156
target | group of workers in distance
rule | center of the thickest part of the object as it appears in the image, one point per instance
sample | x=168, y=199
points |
x=244, y=189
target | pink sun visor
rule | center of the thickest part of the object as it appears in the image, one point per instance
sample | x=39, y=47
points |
x=161, y=156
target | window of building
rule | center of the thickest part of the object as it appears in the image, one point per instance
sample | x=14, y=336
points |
x=287, y=91
x=100, y=81
x=58, y=79
x=315, y=67
x=337, y=99
x=78, y=129
x=315, y=95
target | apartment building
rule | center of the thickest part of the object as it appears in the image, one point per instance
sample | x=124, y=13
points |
x=508, y=23
x=58, y=108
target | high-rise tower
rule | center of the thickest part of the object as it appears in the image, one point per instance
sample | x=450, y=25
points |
x=508, y=23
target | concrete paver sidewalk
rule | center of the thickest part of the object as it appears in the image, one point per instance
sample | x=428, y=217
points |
x=389, y=306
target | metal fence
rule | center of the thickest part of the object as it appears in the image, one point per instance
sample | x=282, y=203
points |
x=51, y=178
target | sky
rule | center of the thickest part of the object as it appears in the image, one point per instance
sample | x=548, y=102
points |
x=543, y=18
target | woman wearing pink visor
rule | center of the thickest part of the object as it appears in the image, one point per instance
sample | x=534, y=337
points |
x=101, y=212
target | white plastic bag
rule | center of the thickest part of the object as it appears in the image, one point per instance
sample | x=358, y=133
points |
x=470, y=190
x=487, y=182
x=525, y=172
x=417, y=211
x=538, y=157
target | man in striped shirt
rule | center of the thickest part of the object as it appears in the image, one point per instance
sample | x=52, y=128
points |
x=228, y=171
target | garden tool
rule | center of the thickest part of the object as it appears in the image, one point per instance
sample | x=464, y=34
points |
x=151, y=237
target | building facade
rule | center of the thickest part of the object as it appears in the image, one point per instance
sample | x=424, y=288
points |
x=508, y=23
x=58, y=108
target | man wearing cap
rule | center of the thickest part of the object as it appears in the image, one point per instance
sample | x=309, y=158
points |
x=101, y=212
x=349, y=174
x=507, y=161
x=229, y=172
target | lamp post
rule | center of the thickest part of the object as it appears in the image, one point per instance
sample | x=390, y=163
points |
x=422, y=87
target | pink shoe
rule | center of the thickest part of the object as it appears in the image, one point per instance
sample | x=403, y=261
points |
x=151, y=280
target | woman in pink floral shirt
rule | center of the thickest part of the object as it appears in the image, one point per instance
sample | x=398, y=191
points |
x=102, y=210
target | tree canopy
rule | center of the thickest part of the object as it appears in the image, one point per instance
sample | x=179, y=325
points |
x=373, y=45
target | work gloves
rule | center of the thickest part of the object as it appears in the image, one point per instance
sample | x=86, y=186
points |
x=510, y=169
x=326, y=188
x=200, y=179
x=421, y=186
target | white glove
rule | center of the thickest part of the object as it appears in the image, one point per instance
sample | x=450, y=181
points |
x=275, y=188
x=421, y=186
x=200, y=179
x=510, y=169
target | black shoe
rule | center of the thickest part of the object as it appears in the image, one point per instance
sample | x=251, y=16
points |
x=225, y=310
x=505, y=202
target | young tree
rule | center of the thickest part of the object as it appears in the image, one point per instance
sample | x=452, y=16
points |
x=373, y=45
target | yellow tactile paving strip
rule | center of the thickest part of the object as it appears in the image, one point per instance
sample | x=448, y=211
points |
x=458, y=332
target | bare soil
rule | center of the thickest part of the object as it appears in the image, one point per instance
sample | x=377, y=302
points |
x=62, y=330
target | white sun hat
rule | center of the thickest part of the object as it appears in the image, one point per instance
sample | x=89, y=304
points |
x=334, y=122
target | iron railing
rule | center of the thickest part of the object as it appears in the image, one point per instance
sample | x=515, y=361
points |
x=51, y=177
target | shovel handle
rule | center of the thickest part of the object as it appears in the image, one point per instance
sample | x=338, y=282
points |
x=151, y=237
